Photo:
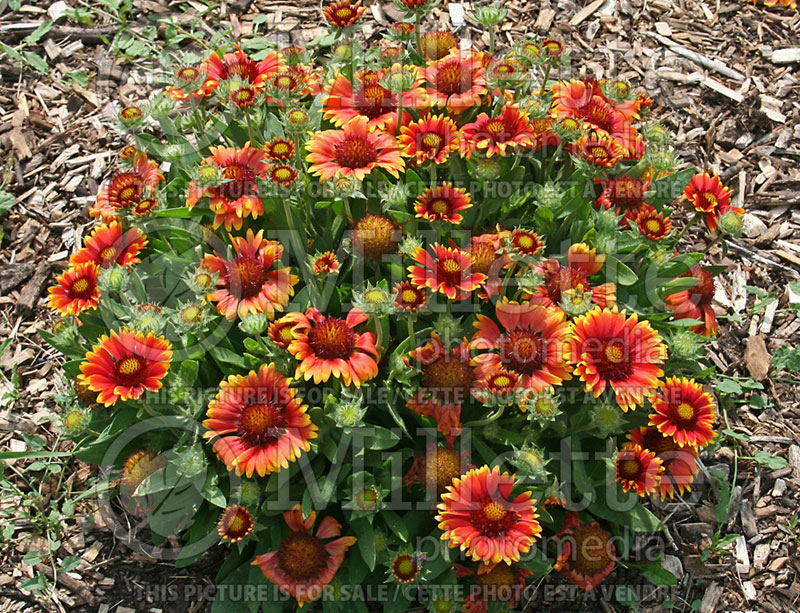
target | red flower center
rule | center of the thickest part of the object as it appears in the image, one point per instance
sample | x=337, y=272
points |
x=440, y=206
x=562, y=278
x=242, y=97
x=261, y=424
x=431, y=141
x=375, y=101
x=249, y=275
x=709, y=200
x=522, y=350
x=630, y=468
x=82, y=288
x=625, y=192
x=447, y=466
x=332, y=339
x=483, y=256
x=448, y=379
x=600, y=115
x=591, y=552
x=302, y=556
x=188, y=74
x=492, y=519
x=613, y=361
x=240, y=66
x=129, y=370
x=449, y=78
x=145, y=206
x=240, y=181
x=702, y=292
x=236, y=523
x=354, y=152
x=285, y=82
x=526, y=243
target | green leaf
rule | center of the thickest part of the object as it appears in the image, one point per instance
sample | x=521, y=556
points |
x=69, y=563
x=365, y=533
x=36, y=61
x=665, y=190
x=227, y=356
x=396, y=524
x=35, y=36
x=658, y=575
x=6, y=202
x=772, y=462
x=728, y=386
x=68, y=349
x=618, y=272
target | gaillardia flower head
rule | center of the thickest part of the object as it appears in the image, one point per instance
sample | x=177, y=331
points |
x=75, y=290
x=430, y=138
x=696, y=302
x=235, y=524
x=109, y=244
x=680, y=463
x=496, y=135
x=257, y=423
x=534, y=343
x=245, y=283
x=612, y=350
x=638, y=469
x=448, y=271
x=685, y=412
x=375, y=236
x=305, y=562
x=710, y=198
x=122, y=365
x=343, y=13
x=478, y=515
x=587, y=554
x=328, y=346
x=353, y=151
x=443, y=203
x=457, y=81
x=123, y=191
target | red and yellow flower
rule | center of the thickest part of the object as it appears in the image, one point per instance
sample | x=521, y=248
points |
x=245, y=283
x=680, y=463
x=582, y=263
x=623, y=353
x=685, y=412
x=437, y=44
x=125, y=190
x=409, y=298
x=430, y=138
x=599, y=149
x=369, y=100
x=696, y=302
x=257, y=424
x=494, y=584
x=478, y=515
x=304, y=562
x=436, y=468
x=237, y=67
x=235, y=524
x=447, y=379
x=623, y=195
x=236, y=196
x=108, y=244
x=329, y=346
x=279, y=150
x=638, y=469
x=710, y=198
x=525, y=242
x=448, y=271
x=534, y=344
x=653, y=224
x=587, y=554
x=343, y=13
x=281, y=331
x=326, y=263
x=443, y=203
x=283, y=175
x=457, y=81
x=75, y=290
x=123, y=364
x=511, y=129
x=353, y=151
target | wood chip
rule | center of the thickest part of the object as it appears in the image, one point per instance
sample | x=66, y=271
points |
x=586, y=12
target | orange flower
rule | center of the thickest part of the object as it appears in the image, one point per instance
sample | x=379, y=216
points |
x=599, y=149
x=710, y=197
x=235, y=524
x=695, y=302
x=625, y=195
x=499, y=385
x=583, y=262
x=489, y=257
x=525, y=242
x=343, y=13
x=437, y=44
x=684, y=412
x=534, y=344
x=478, y=515
x=448, y=379
x=569, y=98
x=353, y=151
x=279, y=150
x=125, y=190
x=304, y=563
x=108, y=245
x=409, y=298
x=443, y=203
x=281, y=331
x=612, y=350
x=76, y=290
x=326, y=264
x=283, y=175
x=237, y=65
x=243, y=97
x=653, y=224
x=246, y=284
x=122, y=365
x=457, y=81
x=327, y=346
x=236, y=196
x=257, y=423
x=375, y=236
x=587, y=554
x=638, y=469
x=430, y=138
x=680, y=463
x=369, y=100
x=494, y=135
x=448, y=271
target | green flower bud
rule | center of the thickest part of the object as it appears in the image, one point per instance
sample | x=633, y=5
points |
x=409, y=245
x=254, y=324
x=731, y=222
x=114, y=279
x=685, y=345
x=489, y=15
x=75, y=422
x=530, y=461
x=606, y=418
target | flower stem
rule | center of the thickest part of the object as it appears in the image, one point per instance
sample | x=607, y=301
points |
x=491, y=40
x=483, y=422
x=544, y=81
x=250, y=131
x=417, y=33
x=686, y=227
x=412, y=338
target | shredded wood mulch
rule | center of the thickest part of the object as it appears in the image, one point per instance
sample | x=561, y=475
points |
x=724, y=77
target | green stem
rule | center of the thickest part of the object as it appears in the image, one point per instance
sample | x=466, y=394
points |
x=544, y=81
x=491, y=40
x=412, y=338
x=399, y=113
x=553, y=159
x=417, y=32
x=250, y=131
x=686, y=227
x=483, y=422
x=433, y=173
